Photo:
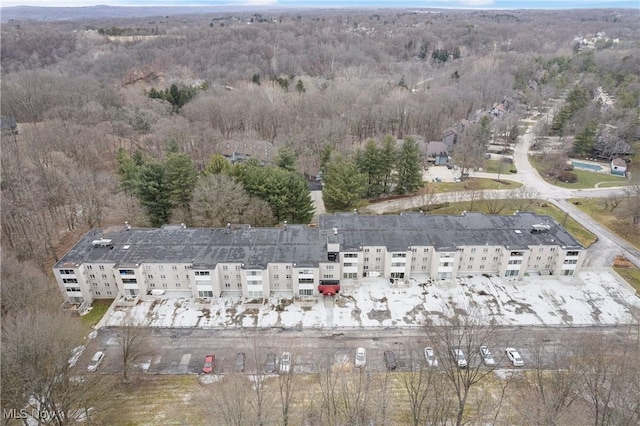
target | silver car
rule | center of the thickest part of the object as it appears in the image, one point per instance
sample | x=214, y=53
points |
x=95, y=361
x=514, y=357
x=486, y=356
x=459, y=357
x=430, y=356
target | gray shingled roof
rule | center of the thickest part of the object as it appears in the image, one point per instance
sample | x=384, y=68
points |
x=306, y=246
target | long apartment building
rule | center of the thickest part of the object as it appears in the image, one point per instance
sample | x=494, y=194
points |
x=303, y=261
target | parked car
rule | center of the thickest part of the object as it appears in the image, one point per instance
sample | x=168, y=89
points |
x=390, y=360
x=459, y=357
x=95, y=361
x=209, y=363
x=240, y=362
x=486, y=356
x=285, y=362
x=430, y=356
x=514, y=357
x=361, y=357
x=270, y=366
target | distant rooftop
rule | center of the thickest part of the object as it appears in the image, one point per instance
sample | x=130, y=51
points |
x=305, y=246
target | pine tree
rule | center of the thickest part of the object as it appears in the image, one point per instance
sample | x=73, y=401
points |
x=153, y=193
x=344, y=185
x=585, y=139
x=127, y=171
x=286, y=159
x=409, y=167
x=181, y=177
x=388, y=157
x=217, y=164
x=369, y=162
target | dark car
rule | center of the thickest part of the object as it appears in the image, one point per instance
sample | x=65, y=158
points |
x=270, y=366
x=390, y=360
x=240, y=362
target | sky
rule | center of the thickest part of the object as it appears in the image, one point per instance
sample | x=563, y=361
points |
x=480, y=4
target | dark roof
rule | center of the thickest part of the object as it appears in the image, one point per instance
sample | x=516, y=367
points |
x=305, y=246
x=436, y=148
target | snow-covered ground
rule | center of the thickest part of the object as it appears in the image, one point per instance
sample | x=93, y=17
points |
x=593, y=297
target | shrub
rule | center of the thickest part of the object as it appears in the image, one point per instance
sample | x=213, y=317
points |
x=513, y=170
x=568, y=167
x=568, y=177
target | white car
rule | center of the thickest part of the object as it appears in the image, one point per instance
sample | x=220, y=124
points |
x=285, y=362
x=361, y=357
x=430, y=356
x=486, y=356
x=514, y=357
x=95, y=361
x=459, y=357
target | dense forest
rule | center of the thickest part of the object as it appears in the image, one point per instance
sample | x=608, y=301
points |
x=137, y=120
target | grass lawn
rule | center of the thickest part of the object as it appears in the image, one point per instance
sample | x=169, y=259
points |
x=578, y=231
x=497, y=166
x=585, y=179
x=100, y=307
x=474, y=183
x=631, y=275
x=595, y=208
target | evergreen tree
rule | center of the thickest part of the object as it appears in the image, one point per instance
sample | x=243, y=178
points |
x=127, y=171
x=153, y=193
x=388, y=156
x=217, y=164
x=344, y=185
x=369, y=162
x=585, y=139
x=325, y=157
x=286, y=159
x=181, y=177
x=256, y=79
x=300, y=87
x=409, y=167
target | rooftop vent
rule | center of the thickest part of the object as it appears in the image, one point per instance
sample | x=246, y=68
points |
x=335, y=231
x=126, y=247
x=102, y=242
x=517, y=231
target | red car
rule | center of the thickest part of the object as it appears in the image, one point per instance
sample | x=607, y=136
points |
x=209, y=363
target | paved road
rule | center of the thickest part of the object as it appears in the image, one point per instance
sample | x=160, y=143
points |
x=182, y=351
x=601, y=254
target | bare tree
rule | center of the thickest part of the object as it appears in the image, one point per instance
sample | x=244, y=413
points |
x=228, y=400
x=133, y=345
x=426, y=392
x=466, y=331
x=523, y=198
x=287, y=389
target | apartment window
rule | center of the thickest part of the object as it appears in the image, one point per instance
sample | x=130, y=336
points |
x=276, y=276
x=305, y=281
x=397, y=275
x=239, y=285
x=399, y=255
x=424, y=259
x=485, y=250
x=275, y=267
x=366, y=259
x=328, y=276
x=397, y=264
x=129, y=281
x=552, y=249
x=424, y=267
x=469, y=267
x=177, y=277
x=572, y=253
x=535, y=266
x=495, y=258
x=347, y=264
x=69, y=280
x=161, y=268
x=178, y=285
x=413, y=259
x=104, y=275
x=517, y=253
x=106, y=284
x=426, y=250
x=483, y=258
x=97, y=293
x=547, y=266
x=348, y=275
x=413, y=268
x=351, y=255
x=66, y=271
x=226, y=276
x=447, y=263
x=330, y=267
x=163, y=276
x=152, y=284
x=365, y=267
x=414, y=250
x=227, y=285
x=164, y=285
x=515, y=262
x=238, y=276
x=366, y=250
x=149, y=276
x=550, y=258
x=186, y=266
x=202, y=273
x=481, y=266
x=288, y=267
x=288, y=276
x=224, y=267
x=471, y=259
x=72, y=289
x=378, y=250
x=95, y=284
x=540, y=249
x=570, y=262
x=174, y=267
x=237, y=267
x=89, y=267
x=127, y=272
x=568, y=272
x=473, y=250
x=539, y=258
x=276, y=284
x=255, y=294
x=305, y=292
x=497, y=249
x=377, y=259
x=147, y=267
x=511, y=273
x=101, y=267
x=108, y=293
x=92, y=276
x=205, y=293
